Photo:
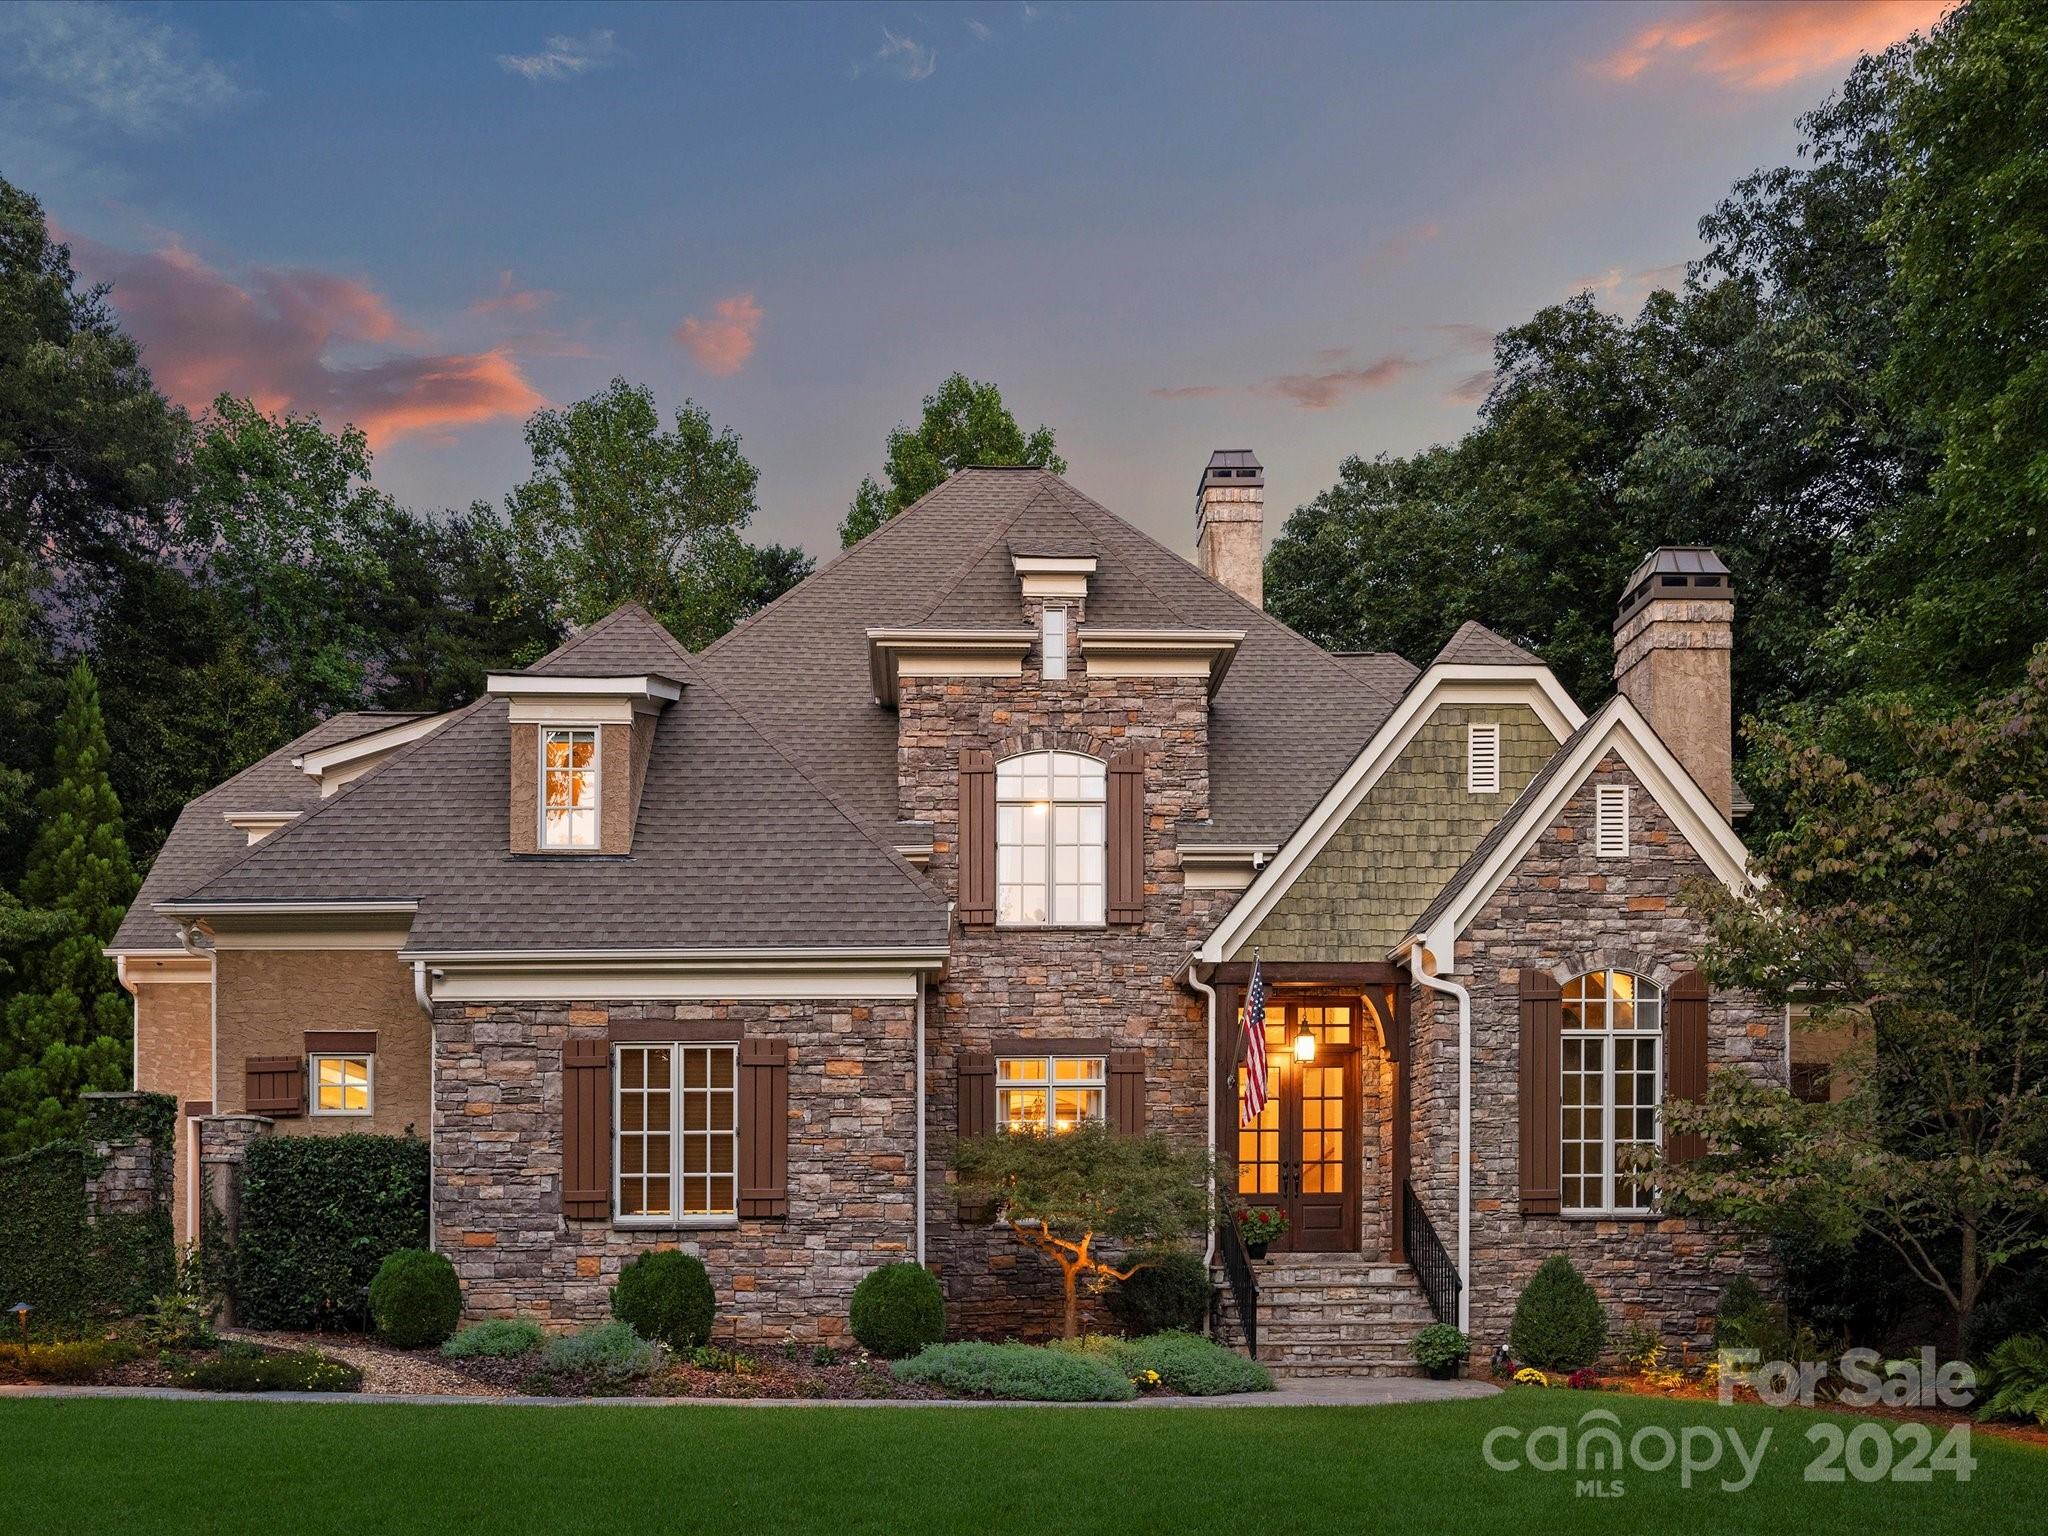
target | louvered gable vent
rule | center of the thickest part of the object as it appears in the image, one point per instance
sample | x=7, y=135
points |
x=1482, y=759
x=1611, y=821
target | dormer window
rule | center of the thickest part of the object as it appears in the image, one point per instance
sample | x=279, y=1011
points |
x=1053, y=655
x=569, y=788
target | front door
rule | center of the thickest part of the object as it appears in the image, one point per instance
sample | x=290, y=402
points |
x=1302, y=1155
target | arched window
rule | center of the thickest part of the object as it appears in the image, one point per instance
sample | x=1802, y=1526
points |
x=1612, y=1058
x=1049, y=831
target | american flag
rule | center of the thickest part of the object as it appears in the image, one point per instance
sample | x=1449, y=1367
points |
x=1253, y=1099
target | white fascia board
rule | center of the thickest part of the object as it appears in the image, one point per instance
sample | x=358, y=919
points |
x=1533, y=686
x=945, y=653
x=1159, y=652
x=1053, y=565
x=191, y=908
x=317, y=764
x=521, y=685
x=1620, y=729
x=909, y=957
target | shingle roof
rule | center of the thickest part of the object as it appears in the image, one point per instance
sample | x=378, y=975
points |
x=1286, y=720
x=1476, y=645
x=202, y=843
x=735, y=846
x=1385, y=669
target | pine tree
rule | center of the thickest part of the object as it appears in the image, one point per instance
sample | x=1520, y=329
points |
x=68, y=1025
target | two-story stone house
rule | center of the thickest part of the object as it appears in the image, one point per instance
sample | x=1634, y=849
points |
x=983, y=826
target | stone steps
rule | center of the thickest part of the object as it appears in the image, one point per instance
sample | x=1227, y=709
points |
x=1333, y=1314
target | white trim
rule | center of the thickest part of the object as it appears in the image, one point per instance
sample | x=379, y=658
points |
x=900, y=653
x=677, y=1130
x=369, y=1061
x=574, y=714
x=1418, y=968
x=596, y=770
x=1621, y=729
x=1612, y=828
x=159, y=968
x=515, y=685
x=610, y=984
x=1053, y=565
x=189, y=908
x=918, y=1038
x=1482, y=757
x=1159, y=652
x=1533, y=686
x=1053, y=657
x=915, y=957
x=320, y=764
x=257, y=825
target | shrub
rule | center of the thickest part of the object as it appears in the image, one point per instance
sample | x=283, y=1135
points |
x=1171, y=1293
x=319, y=1214
x=1558, y=1324
x=73, y=1360
x=1743, y=1317
x=897, y=1310
x=179, y=1320
x=666, y=1296
x=301, y=1370
x=415, y=1299
x=601, y=1352
x=2016, y=1380
x=1439, y=1347
x=2018, y=1305
x=1023, y=1372
x=1181, y=1362
x=500, y=1338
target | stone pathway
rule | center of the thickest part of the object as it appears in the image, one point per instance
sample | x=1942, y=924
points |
x=386, y=1372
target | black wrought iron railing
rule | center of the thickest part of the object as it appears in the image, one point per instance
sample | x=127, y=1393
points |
x=1244, y=1285
x=1434, y=1266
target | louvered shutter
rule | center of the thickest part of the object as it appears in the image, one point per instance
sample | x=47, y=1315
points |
x=977, y=838
x=1127, y=1092
x=977, y=1093
x=764, y=1128
x=586, y=1129
x=1685, y=1055
x=275, y=1086
x=1126, y=837
x=1542, y=1130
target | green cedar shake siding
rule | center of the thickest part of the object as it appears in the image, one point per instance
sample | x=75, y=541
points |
x=1403, y=841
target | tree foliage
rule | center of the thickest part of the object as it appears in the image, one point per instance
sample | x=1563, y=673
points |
x=1908, y=902
x=964, y=422
x=1061, y=1194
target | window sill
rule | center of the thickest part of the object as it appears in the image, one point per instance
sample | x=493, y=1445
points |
x=675, y=1223
x=1586, y=1216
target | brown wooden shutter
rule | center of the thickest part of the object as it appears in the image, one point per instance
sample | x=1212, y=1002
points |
x=977, y=1093
x=764, y=1128
x=977, y=838
x=587, y=1129
x=276, y=1085
x=1542, y=1129
x=1127, y=1092
x=1685, y=1055
x=1127, y=837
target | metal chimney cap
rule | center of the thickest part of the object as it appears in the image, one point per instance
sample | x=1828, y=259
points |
x=1689, y=571
x=1232, y=466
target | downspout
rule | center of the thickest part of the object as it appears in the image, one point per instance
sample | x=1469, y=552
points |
x=1452, y=989
x=1188, y=975
x=423, y=995
x=920, y=1117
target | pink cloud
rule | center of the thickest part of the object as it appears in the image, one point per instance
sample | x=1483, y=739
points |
x=722, y=344
x=300, y=340
x=1760, y=47
x=1189, y=392
x=509, y=300
x=1319, y=391
x=1402, y=244
x=1472, y=389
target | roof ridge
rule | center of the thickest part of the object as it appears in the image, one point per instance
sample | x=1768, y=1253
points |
x=968, y=565
x=284, y=833
x=630, y=607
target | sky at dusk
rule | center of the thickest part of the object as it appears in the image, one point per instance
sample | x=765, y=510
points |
x=1161, y=230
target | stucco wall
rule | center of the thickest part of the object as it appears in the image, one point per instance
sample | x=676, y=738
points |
x=1403, y=840
x=174, y=1055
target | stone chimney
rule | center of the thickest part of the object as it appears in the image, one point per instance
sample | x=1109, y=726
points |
x=1672, y=645
x=1230, y=523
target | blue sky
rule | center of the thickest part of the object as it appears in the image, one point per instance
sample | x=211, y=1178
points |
x=1160, y=229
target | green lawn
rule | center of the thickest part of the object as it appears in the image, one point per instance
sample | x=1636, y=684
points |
x=147, y=1466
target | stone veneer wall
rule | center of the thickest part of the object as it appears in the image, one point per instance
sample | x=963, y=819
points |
x=498, y=1166
x=1053, y=983
x=1566, y=911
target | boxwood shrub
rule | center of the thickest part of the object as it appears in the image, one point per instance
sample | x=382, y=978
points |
x=666, y=1295
x=1558, y=1324
x=319, y=1216
x=897, y=1310
x=1024, y=1372
x=415, y=1299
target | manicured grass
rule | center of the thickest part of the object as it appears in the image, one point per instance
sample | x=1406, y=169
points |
x=132, y=1466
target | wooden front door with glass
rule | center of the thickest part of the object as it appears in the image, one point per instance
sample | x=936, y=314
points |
x=1302, y=1155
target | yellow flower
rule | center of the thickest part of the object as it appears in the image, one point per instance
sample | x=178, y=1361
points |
x=1529, y=1376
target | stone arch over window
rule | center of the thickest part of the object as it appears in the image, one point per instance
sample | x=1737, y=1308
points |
x=1051, y=839
x=1610, y=1084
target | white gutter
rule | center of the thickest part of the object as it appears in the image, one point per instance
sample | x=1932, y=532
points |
x=1451, y=989
x=920, y=1119
x=1188, y=975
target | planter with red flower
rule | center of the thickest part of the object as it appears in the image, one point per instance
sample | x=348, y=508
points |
x=1260, y=1227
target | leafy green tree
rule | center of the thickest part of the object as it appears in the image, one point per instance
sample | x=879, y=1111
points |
x=67, y=1028
x=620, y=510
x=27, y=701
x=1061, y=1194
x=965, y=422
x=1950, y=588
x=1910, y=902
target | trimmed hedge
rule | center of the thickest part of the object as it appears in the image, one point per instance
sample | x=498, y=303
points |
x=320, y=1215
x=666, y=1295
x=415, y=1299
x=897, y=1310
x=1558, y=1323
x=1023, y=1372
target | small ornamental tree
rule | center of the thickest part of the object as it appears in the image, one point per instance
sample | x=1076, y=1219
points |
x=1061, y=1194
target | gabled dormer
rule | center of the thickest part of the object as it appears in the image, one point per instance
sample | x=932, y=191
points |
x=579, y=749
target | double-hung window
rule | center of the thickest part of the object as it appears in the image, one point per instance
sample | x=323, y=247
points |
x=341, y=1084
x=1050, y=1093
x=1049, y=840
x=1612, y=1061
x=676, y=1121
x=568, y=788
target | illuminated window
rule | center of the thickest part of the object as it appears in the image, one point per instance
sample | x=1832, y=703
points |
x=1049, y=831
x=568, y=782
x=1612, y=1061
x=1059, y=1092
x=676, y=1111
x=341, y=1085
